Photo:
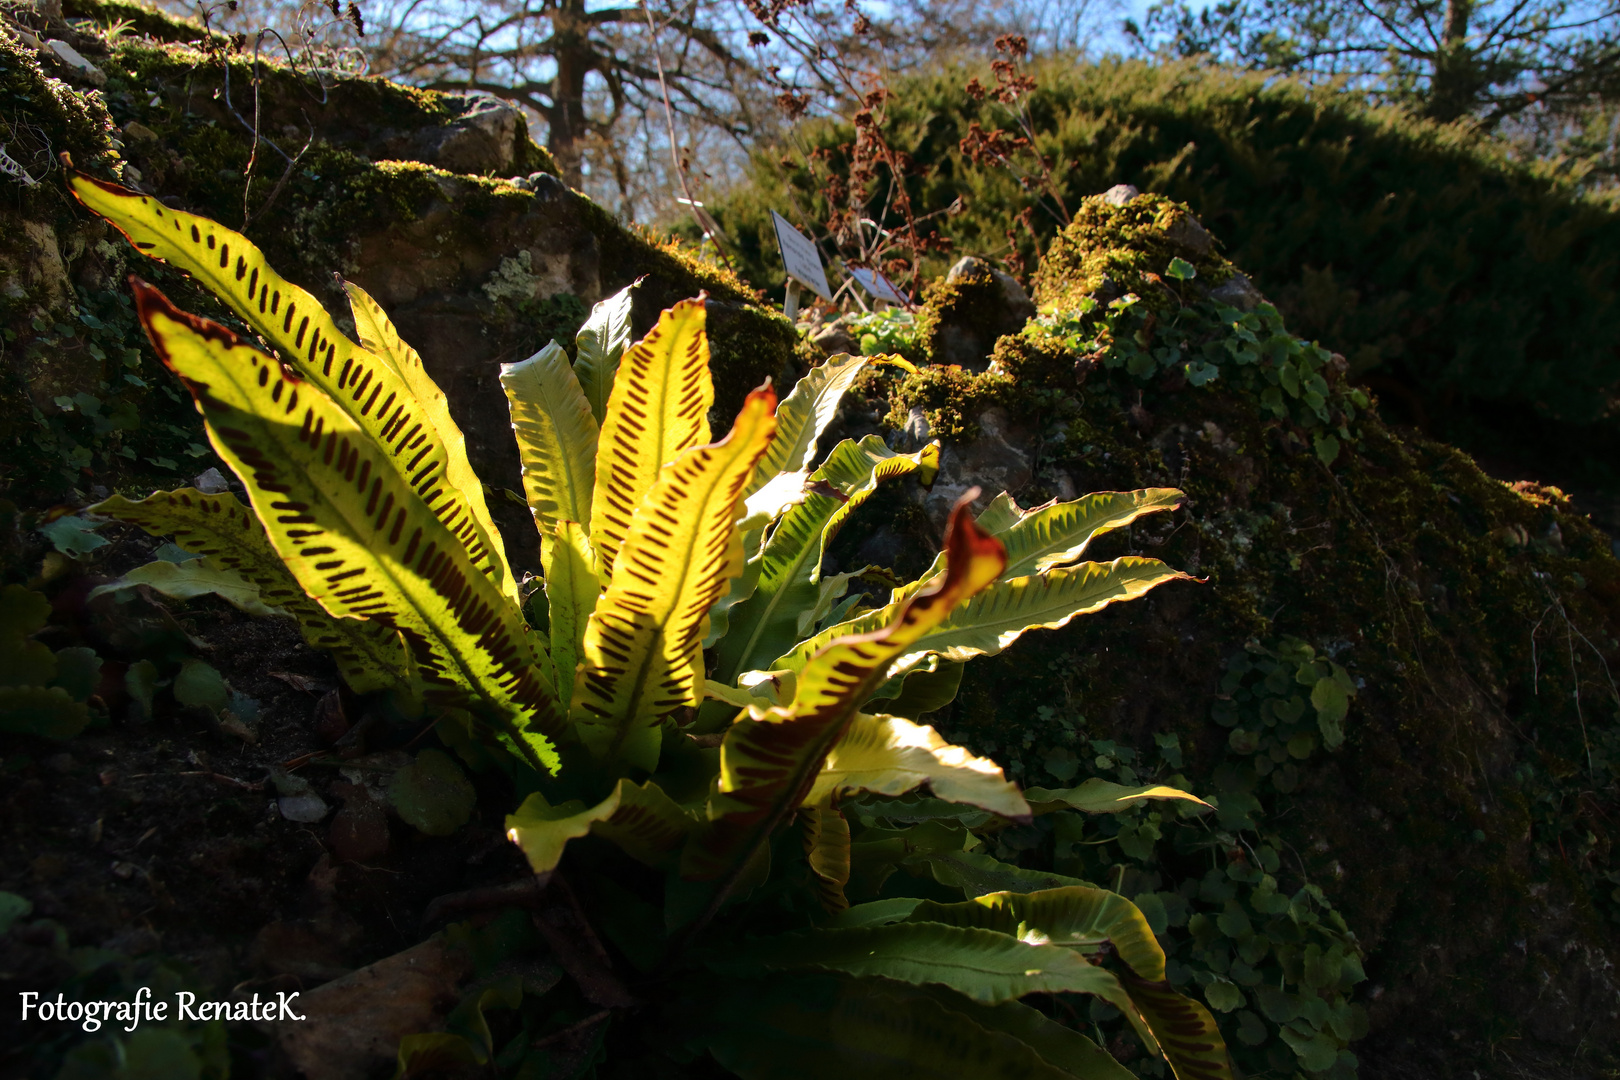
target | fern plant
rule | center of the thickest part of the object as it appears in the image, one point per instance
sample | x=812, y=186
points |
x=698, y=696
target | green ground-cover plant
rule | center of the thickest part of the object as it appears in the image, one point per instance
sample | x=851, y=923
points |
x=1276, y=965
x=43, y=691
x=368, y=525
x=1202, y=339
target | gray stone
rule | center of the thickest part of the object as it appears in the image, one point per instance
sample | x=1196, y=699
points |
x=481, y=141
x=1107, y=291
x=967, y=333
x=915, y=434
x=211, y=482
x=1120, y=194
x=994, y=462
x=1239, y=292
x=1019, y=305
x=1186, y=233
x=835, y=338
x=71, y=57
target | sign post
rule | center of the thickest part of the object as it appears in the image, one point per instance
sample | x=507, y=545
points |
x=802, y=263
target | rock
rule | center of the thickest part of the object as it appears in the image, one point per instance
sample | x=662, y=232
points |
x=1187, y=233
x=140, y=133
x=352, y=1026
x=211, y=482
x=974, y=306
x=72, y=58
x=994, y=462
x=481, y=141
x=1120, y=194
x=1019, y=305
x=835, y=339
x=915, y=433
x=1238, y=291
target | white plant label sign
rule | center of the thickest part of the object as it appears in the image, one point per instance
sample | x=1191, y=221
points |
x=799, y=257
x=877, y=286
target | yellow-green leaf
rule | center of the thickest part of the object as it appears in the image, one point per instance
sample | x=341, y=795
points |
x=1075, y=917
x=1098, y=796
x=826, y=849
x=369, y=390
x=1057, y=534
x=368, y=653
x=889, y=755
x=191, y=579
x=351, y=530
x=1085, y=918
x=639, y=818
x=600, y=345
x=803, y=416
x=768, y=763
x=1187, y=1034
x=642, y=654
x=572, y=589
x=556, y=437
x=987, y=966
x=659, y=408
x=1004, y=611
x=770, y=622
x=378, y=335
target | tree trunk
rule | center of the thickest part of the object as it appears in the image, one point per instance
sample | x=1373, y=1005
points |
x=575, y=58
x=1455, y=86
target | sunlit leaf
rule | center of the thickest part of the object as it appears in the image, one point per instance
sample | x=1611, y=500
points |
x=639, y=818
x=803, y=415
x=890, y=755
x=218, y=526
x=370, y=391
x=826, y=849
x=556, y=437
x=1098, y=796
x=600, y=345
x=350, y=529
x=642, y=654
x=767, y=763
x=658, y=409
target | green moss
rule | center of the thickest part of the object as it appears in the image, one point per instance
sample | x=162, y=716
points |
x=951, y=398
x=41, y=116
x=973, y=302
x=142, y=19
x=1130, y=246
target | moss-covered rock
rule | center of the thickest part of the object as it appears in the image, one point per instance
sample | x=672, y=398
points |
x=1464, y=828
x=965, y=312
x=1118, y=245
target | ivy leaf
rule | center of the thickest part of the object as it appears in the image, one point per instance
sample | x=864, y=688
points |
x=1181, y=269
x=1332, y=703
x=1251, y=1029
x=1223, y=995
x=1327, y=447
x=1201, y=374
x=12, y=908
x=73, y=536
x=433, y=794
x=201, y=685
x=141, y=682
x=78, y=670
x=1316, y=1052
